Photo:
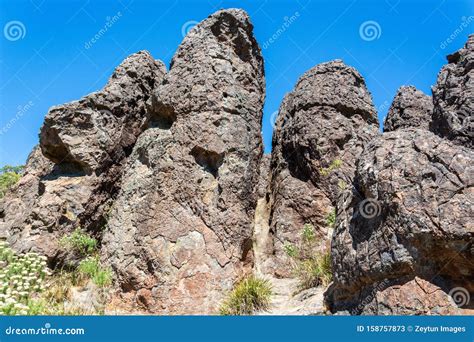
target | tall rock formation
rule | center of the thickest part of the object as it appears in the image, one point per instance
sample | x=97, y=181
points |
x=87, y=142
x=453, y=97
x=320, y=132
x=166, y=171
x=180, y=231
x=404, y=237
x=410, y=108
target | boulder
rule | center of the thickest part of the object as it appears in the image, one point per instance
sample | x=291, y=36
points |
x=408, y=215
x=410, y=108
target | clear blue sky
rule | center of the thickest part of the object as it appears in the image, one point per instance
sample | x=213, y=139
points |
x=48, y=64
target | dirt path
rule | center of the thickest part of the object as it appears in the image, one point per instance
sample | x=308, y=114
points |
x=286, y=302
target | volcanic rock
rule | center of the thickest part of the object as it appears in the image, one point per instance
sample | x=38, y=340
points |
x=453, y=97
x=320, y=132
x=410, y=108
x=408, y=215
x=182, y=224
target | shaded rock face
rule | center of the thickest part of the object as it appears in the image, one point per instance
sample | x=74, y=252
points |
x=85, y=142
x=408, y=215
x=410, y=108
x=453, y=97
x=18, y=202
x=320, y=132
x=181, y=227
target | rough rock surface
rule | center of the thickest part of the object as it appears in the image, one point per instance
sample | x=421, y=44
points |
x=453, y=97
x=18, y=202
x=410, y=108
x=409, y=214
x=181, y=228
x=320, y=131
x=92, y=134
x=100, y=129
x=410, y=297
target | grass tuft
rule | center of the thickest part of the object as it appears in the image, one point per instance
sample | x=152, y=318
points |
x=250, y=295
x=91, y=268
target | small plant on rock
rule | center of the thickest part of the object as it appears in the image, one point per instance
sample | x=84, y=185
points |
x=290, y=250
x=91, y=268
x=311, y=266
x=335, y=164
x=252, y=294
x=331, y=219
x=79, y=242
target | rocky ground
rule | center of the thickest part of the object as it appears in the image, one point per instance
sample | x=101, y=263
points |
x=165, y=168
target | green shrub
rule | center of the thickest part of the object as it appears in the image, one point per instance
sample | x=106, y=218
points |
x=21, y=280
x=9, y=176
x=331, y=219
x=342, y=185
x=27, y=287
x=290, y=250
x=312, y=268
x=91, y=268
x=79, y=242
x=314, y=271
x=308, y=235
x=335, y=164
x=250, y=295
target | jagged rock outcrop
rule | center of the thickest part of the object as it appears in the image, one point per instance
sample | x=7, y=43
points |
x=320, y=132
x=86, y=141
x=453, y=97
x=410, y=108
x=167, y=171
x=101, y=128
x=408, y=215
x=180, y=231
